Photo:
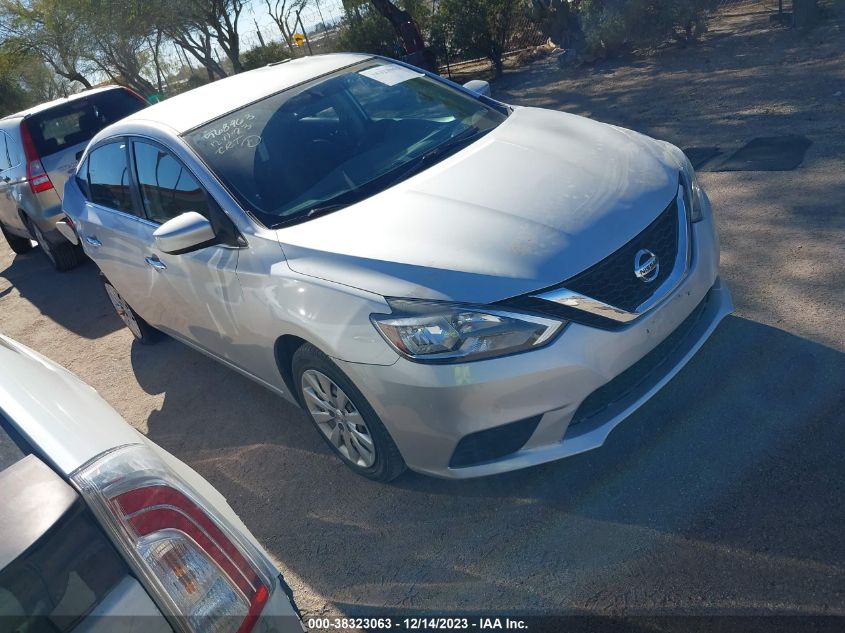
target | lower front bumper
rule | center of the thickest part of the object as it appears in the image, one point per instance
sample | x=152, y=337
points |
x=566, y=397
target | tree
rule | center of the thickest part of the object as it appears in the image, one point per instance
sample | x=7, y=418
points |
x=478, y=28
x=263, y=55
x=610, y=25
x=222, y=18
x=283, y=12
x=366, y=30
x=25, y=80
x=179, y=21
x=120, y=42
x=54, y=30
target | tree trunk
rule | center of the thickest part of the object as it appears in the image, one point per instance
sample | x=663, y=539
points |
x=80, y=78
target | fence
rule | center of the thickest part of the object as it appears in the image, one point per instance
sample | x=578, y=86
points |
x=321, y=20
x=317, y=21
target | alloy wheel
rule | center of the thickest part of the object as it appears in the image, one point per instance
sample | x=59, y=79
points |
x=338, y=418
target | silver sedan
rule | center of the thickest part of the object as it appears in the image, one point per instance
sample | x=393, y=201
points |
x=442, y=281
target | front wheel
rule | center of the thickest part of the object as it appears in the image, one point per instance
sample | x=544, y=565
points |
x=141, y=330
x=344, y=418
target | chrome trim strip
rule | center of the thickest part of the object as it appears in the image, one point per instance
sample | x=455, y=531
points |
x=680, y=269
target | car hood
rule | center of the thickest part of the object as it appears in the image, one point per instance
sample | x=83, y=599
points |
x=539, y=199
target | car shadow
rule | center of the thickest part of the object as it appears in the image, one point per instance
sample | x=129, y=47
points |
x=74, y=299
x=208, y=407
x=721, y=494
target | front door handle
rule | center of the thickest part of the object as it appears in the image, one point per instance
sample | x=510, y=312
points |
x=93, y=241
x=155, y=262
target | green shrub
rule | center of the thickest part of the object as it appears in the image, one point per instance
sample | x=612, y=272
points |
x=365, y=30
x=477, y=28
x=263, y=55
x=610, y=25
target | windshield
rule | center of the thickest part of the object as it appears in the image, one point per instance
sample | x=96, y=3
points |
x=338, y=139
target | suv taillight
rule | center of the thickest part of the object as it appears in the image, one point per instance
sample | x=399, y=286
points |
x=198, y=568
x=36, y=175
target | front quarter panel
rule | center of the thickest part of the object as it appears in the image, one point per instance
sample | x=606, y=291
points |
x=279, y=301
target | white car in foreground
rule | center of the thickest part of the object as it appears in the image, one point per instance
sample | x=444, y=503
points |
x=103, y=530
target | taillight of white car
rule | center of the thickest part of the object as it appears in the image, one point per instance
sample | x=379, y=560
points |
x=202, y=573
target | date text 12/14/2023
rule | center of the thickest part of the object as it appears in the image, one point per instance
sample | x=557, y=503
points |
x=418, y=624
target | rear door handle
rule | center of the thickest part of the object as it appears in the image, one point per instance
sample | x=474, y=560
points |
x=93, y=241
x=155, y=262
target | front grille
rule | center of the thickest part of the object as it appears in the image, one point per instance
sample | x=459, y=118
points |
x=612, y=280
x=639, y=373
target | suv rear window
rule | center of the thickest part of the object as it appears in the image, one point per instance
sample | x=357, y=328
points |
x=79, y=120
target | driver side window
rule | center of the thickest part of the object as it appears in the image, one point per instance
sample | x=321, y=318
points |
x=167, y=188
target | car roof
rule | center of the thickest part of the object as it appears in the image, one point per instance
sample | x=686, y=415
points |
x=41, y=107
x=58, y=414
x=193, y=108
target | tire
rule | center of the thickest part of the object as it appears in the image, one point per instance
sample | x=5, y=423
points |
x=339, y=399
x=143, y=332
x=19, y=245
x=63, y=255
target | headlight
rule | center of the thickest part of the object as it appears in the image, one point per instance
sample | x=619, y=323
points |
x=694, y=193
x=432, y=332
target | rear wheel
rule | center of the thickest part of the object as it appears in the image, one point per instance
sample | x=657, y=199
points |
x=63, y=255
x=344, y=418
x=141, y=330
x=19, y=245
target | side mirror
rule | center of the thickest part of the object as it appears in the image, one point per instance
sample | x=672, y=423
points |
x=479, y=86
x=184, y=233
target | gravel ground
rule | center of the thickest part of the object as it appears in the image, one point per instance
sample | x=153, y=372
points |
x=722, y=495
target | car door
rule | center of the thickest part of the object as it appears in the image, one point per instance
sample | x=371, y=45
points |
x=196, y=292
x=112, y=228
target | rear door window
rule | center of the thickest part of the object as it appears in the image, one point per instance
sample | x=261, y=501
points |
x=108, y=177
x=8, y=152
x=167, y=188
x=78, y=120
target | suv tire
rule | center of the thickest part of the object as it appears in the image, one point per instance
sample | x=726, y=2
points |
x=63, y=255
x=19, y=245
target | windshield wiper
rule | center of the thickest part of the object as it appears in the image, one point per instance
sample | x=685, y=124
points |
x=314, y=212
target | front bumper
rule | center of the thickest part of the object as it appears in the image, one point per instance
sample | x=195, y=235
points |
x=428, y=409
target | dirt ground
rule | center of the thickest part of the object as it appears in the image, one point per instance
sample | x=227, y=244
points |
x=722, y=495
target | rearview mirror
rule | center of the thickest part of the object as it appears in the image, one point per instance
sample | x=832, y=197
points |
x=479, y=86
x=184, y=233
